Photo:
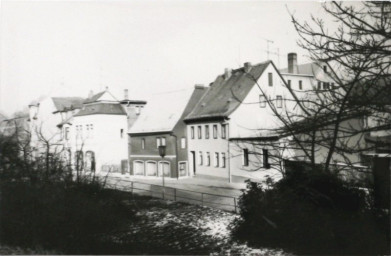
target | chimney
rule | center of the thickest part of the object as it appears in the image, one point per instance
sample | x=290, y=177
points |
x=199, y=86
x=292, y=63
x=126, y=94
x=227, y=73
x=247, y=66
x=90, y=94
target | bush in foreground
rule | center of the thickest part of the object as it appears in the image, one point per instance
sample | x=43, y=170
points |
x=68, y=218
x=311, y=214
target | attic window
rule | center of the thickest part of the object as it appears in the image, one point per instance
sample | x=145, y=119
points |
x=270, y=77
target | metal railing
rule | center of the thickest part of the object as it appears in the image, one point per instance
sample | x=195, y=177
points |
x=222, y=202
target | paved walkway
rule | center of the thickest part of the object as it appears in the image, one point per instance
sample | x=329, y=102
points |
x=200, y=184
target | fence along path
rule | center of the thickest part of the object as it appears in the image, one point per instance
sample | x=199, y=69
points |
x=227, y=203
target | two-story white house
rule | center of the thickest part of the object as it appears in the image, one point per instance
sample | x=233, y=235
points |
x=98, y=134
x=233, y=113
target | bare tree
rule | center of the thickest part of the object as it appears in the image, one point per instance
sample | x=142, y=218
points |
x=327, y=124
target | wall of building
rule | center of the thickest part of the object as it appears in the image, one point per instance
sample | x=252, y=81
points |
x=257, y=169
x=252, y=120
x=203, y=146
x=150, y=152
x=104, y=139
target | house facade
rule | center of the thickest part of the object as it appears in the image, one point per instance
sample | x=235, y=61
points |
x=230, y=116
x=98, y=140
x=161, y=124
x=44, y=116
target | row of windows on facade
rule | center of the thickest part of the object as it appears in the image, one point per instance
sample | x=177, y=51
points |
x=206, y=130
x=79, y=132
x=262, y=101
x=161, y=141
x=217, y=162
x=265, y=158
x=326, y=85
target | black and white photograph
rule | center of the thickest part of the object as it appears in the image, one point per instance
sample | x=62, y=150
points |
x=199, y=127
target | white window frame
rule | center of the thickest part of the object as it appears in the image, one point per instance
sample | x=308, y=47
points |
x=223, y=131
x=206, y=131
x=158, y=142
x=262, y=101
x=163, y=141
x=183, y=142
x=279, y=101
x=223, y=160
x=215, y=131
x=207, y=163
x=199, y=132
x=192, y=132
x=200, y=158
x=216, y=159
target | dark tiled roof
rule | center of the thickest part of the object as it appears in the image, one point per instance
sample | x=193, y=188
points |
x=103, y=109
x=225, y=95
x=66, y=103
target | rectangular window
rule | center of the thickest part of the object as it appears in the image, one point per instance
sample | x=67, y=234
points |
x=163, y=141
x=300, y=84
x=223, y=160
x=265, y=154
x=183, y=142
x=207, y=159
x=215, y=131
x=245, y=157
x=67, y=133
x=158, y=142
x=216, y=159
x=319, y=85
x=199, y=129
x=142, y=143
x=223, y=131
x=270, y=79
x=121, y=133
x=262, y=101
x=279, y=101
x=192, y=132
x=200, y=158
x=206, y=131
x=289, y=83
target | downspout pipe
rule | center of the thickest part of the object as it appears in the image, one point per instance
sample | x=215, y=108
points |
x=176, y=154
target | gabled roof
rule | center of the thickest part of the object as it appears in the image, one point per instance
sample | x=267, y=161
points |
x=165, y=110
x=98, y=96
x=102, y=109
x=67, y=103
x=225, y=95
x=309, y=69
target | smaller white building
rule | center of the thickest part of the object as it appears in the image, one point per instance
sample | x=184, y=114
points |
x=97, y=135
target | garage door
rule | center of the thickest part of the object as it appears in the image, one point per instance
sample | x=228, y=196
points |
x=151, y=169
x=138, y=167
x=165, y=167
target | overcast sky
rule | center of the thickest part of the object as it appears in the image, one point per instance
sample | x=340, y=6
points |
x=67, y=48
